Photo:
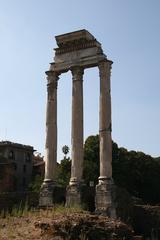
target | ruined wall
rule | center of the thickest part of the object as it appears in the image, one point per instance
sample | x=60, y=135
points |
x=146, y=221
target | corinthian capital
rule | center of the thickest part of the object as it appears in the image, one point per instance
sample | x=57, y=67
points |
x=104, y=68
x=77, y=73
x=52, y=79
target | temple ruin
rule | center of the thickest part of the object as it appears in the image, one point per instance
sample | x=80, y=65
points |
x=77, y=51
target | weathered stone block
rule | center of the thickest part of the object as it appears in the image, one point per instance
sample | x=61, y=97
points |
x=46, y=195
x=105, y=199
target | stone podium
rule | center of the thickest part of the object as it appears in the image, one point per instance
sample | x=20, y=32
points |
x=77, y=51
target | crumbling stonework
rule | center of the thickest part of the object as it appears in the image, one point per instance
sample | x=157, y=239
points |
x=79, y=226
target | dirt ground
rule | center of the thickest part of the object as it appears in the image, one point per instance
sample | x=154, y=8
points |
x=19, y=228
x=45, y=224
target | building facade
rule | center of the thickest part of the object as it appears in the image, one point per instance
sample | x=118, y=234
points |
x=16, y=162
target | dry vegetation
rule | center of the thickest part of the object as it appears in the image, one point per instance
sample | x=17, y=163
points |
x=20, y=223
x=60, y=223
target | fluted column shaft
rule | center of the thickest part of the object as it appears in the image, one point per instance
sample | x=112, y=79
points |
x=105, y=122
x=77, y=125
x=51, y=127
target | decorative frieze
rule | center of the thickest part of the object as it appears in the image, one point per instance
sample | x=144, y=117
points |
x=77, y=45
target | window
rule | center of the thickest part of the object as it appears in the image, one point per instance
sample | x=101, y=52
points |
x=28, y=157
x=11, y=155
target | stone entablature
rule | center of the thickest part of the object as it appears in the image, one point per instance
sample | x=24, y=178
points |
x=77, y=48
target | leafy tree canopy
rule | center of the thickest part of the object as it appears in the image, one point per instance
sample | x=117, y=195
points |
x=135, y=171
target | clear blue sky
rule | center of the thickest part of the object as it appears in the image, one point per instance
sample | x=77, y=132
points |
x=130, y=35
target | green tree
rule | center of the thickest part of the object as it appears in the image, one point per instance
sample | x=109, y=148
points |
x=65, y=150
x=64, y=168
x=138, y=173
x=135, y=171
x=91, y=159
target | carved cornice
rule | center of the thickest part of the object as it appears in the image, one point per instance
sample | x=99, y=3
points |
x=78, y=45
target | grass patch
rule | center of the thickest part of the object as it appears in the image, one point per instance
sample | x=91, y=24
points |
x=15, y=211
x=24, y=211
x=67, y=210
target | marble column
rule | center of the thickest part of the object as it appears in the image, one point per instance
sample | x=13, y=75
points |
x=73, y=190
x=46, y=195
x=105, y=187
x=105, y=124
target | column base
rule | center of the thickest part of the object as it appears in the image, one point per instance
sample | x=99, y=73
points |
x=46, y=193
x=105, y=197
x=74, y=193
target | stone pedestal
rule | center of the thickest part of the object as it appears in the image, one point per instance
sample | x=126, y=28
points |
x=46, y=194
x=73, y=196
x=105, y=198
